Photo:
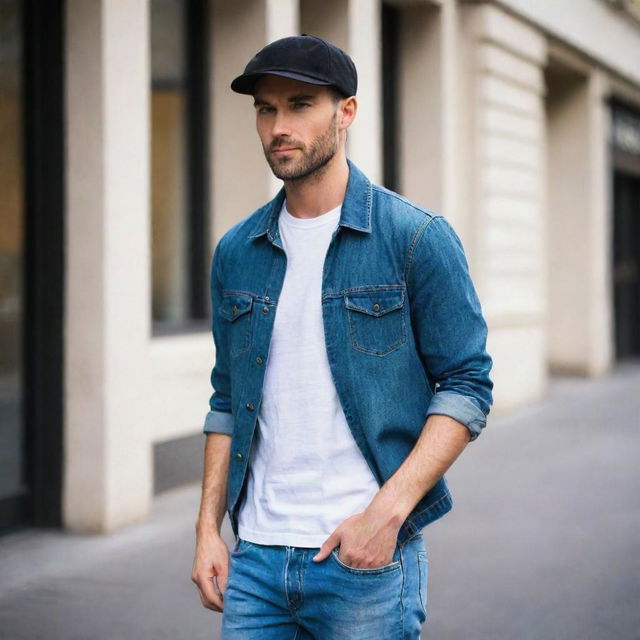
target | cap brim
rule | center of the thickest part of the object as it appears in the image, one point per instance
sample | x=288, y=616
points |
x=246, y=82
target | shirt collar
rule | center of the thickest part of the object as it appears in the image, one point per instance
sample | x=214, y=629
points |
x=355, y=214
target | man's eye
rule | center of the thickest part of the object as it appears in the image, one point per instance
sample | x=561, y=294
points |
x=265, y=109
x=300, y=105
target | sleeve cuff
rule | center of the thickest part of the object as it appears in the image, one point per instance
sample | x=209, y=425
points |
x=218, y=422
x=461, y=408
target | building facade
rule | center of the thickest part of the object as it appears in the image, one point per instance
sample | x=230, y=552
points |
x=126, y=157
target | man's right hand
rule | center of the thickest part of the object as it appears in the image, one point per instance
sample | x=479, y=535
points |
x=211, y=566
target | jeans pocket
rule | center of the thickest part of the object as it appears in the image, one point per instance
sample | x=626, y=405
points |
x=423, y=569
x=395, y=565
x=242, y=547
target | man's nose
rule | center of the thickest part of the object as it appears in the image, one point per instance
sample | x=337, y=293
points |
x=280, y=125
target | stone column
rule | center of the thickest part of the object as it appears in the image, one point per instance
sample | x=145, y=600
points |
x=355, y=27
x=579, y=240
x=241, y=177
x=107, y=474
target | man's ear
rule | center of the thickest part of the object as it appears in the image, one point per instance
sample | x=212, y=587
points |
x=348, y=110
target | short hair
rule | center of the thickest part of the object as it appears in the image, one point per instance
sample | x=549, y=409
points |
x=336, y=94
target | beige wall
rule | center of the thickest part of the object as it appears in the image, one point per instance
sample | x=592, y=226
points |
x=596, y=28
x=504, y=61
x=107, y=473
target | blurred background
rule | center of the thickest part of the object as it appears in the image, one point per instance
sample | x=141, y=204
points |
x=124, y=157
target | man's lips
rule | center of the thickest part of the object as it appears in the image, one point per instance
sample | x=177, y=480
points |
x=284, y=150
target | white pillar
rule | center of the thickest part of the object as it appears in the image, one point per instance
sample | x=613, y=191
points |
x=108, y=472
x=240, y=175
x=282, y=20
x=354, y=26
x=578, y=236
x=364, y=45
x=422, y=106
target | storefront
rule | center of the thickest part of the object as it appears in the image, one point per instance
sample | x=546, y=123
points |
x=31, y=262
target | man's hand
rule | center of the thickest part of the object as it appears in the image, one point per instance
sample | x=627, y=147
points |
x=367, y=540
x=210, y=569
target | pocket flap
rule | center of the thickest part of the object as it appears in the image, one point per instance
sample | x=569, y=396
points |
x=235, y=305
x=374, y=303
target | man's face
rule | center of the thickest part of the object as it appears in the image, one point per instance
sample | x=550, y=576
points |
x=297, y=125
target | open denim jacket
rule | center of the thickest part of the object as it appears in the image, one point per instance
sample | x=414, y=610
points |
x=403, y=325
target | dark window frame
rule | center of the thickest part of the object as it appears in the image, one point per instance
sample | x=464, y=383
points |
x=390, y=32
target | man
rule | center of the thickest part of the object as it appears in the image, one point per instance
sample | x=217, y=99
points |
x=344, y=317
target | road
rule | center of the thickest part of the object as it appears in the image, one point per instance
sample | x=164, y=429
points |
x=543, y=542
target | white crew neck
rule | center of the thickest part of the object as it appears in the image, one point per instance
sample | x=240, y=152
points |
x=330, y=217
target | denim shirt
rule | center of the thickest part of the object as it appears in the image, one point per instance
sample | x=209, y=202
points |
x=404, y=332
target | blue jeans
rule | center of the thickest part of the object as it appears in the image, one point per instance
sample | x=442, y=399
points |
x=277, y=592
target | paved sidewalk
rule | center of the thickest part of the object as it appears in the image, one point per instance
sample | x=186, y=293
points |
x=543, y=542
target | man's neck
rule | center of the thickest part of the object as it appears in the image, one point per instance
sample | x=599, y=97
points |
x=318, y=194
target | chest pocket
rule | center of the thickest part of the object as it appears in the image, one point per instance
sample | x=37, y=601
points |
x=376, y=320
x=236, y=309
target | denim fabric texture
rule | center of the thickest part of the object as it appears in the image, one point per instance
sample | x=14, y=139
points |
x=404, y=332
x=275, y=592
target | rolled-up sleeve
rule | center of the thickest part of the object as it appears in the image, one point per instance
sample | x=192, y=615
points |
x=449, y=328
x=219, y=418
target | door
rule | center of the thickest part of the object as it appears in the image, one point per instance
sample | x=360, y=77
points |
x=626, y=263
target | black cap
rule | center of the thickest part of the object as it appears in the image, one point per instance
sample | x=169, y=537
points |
x=305, y=58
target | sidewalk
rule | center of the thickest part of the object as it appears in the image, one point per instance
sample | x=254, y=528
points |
x=542, y=544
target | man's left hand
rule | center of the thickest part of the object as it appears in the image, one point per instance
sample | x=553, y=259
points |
x=367, y=540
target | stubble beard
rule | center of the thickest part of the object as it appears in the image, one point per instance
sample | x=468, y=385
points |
x=313, y=162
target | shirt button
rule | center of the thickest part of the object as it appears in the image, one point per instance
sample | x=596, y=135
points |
x=250, y=406
x=239, y=456
x=376, y=307
x=265, y=309
x=259, y=360
x=234, y=310
x=267, y=298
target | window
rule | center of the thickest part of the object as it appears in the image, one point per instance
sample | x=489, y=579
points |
x=12, y=473
x=179, y=195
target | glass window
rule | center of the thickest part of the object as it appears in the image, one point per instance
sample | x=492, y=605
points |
x=178, y=185
x=11, y=252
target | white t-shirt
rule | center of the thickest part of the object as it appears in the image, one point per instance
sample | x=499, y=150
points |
x=306, y=473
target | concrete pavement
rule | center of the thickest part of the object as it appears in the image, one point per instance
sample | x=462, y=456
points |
x=543, y=542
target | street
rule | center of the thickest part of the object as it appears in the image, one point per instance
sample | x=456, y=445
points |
x=543, y=542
